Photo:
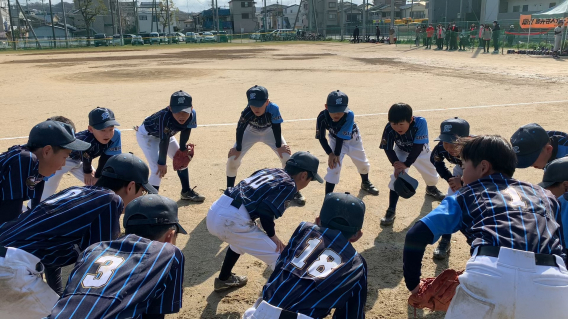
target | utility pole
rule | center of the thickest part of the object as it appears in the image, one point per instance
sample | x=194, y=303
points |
x=119, y=13
x=446, y=14
x=341, y=19
x=217, y=14
x=28, y=24
x=265, y=21
x=392, y=14
x=152, y=19
x=167, y=17
x=64, y=22
x=364, y=20
x=112, y=16
x=52, y=26
x=11, y=25
x=135, y=8
x=461, y=10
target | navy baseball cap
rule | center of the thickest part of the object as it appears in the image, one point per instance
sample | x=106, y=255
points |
x=180, y=101
x=56, y=133
x=555, y=172
x=305, y=161
x=528, y=141
x=128, y=167
x=452, y=129
x=101, y=118
x=405, y=186
x=152, y=210
x=343, y=212
x=257, y=96
x=337, y=102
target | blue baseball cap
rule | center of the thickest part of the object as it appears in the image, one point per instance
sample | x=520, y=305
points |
x=257, y=96
x=528, y=142
x=337, y=102
x=128, y=167
x=305, y=161
x=152, y=210
x=452, y=129
x=343, y=212
x=101, y=118
x=180, y=101
x=56, y=133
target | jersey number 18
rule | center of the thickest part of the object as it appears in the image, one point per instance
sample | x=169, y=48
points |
x=322, y=267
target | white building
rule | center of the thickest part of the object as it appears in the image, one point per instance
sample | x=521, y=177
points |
x=290, y=14
x=152, y=19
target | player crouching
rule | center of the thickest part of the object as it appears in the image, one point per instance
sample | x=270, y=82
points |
x=516, y=269
x=265, y=195
x=139, y=275
x=319, y=269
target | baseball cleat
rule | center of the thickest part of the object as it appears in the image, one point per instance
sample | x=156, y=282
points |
x=369, y=188
x=300, y=199
x=192, y=196
x=389, y=217
x=443, y=249
x=434, y=192
x=233, y=282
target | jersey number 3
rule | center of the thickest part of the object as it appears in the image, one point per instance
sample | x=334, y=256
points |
x=322, y=267
x=108, y=265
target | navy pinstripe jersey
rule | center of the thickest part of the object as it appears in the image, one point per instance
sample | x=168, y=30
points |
x=560, y=143
x=501, y=211
x=20, y=176
x=319, y=270
x=113, y=147
x=64, y=224
x=439, y=155
x=346, y=128
x=163, y=125
x=123, y=278
x=271, y=115
x=273, y=186
x=417, y=134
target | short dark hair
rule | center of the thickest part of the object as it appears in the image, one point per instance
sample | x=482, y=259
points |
x=63, y=119
x=113, y=184
x=293, y=170
x=400, y=112
x=492, y=148
x=152, y=232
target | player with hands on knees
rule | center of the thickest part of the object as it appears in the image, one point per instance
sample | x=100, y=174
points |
x=105, y=142
x=156, y=138
x=517, y=263
x=537, y=147
x=261, y=122
x=145, y=260
x=555, y=180
x=261, y=198
x=448, y=150
x=319, y=270
x=344, y=139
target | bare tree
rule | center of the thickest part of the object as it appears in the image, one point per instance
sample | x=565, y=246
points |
x=163, y=13
x=90, y=9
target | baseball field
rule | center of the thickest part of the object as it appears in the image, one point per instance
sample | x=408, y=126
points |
x=495, y=93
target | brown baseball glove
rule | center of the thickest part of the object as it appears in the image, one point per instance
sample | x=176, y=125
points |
x=436, y=293
x=182, y=158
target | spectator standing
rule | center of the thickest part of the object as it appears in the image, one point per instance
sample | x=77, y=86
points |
x=487, y=33
x=356, y=35
x=418, y=32
x=429, y=35
x=378, y=33
x=557, y=39
x=496, y=34
x=448, y=36
x=392, y=36
x=472, y=34
x=481, y=42
x=464, y=40
x=454, y=36
x=440, y=35
x=511, y=35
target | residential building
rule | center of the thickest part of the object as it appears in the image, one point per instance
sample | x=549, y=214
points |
x=243, y=14
x=323, y=14
x=447, y=11
x=512, y=9
x=153, y=18
x=417, y=10
x=224, y=16
x=289, y=17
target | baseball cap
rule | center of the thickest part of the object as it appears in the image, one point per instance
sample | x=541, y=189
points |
x=405, y=186
x=257, y=96
x=152, y=210
x=337, y=102
x=128, y=167
x=451, y=129
x=555, y=172
x=56, y=133
x=344, y=212
x=528, y=141
x=306, y=161
x=101, y=118
x=180, y=101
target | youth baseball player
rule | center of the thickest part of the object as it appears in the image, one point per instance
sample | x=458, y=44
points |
x=405, y=141
x=536, y=147
x=447, y=150
x=344, y=139
x=517, y=268
x=264, y=195
x=25, y=166
x=260, y=122
x=53, y=234
x=139, y=275
x=555, y=180
x=319, y=270
x=156, y=139
x=105, y=142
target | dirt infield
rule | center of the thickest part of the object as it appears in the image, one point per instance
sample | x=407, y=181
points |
x=494, y=93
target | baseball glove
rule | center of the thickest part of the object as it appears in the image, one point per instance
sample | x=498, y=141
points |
x=436, y=293
x=182, y=158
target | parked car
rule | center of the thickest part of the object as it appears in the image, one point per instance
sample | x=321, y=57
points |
x=283, y=34
x=127, y=38
x=116, y=40
x=163, y=37
x=255, y=36
x=101, y=40
x=145, y=37
x=176, y=37
x=137, y=40
x=154, y=38
x=220, y=36
x=192, y=37
x=208, y=37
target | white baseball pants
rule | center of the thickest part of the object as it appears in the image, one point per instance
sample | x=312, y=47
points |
x=264, y=310
x=75, y=167
x=150, y=146
x=458, y=171
x=251, y=137
x=422, y=165
x=24, y=293
x=510, y=286
x=235, y=227
x=352, y=148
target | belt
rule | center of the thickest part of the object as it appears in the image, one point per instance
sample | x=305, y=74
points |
x=235, y=203
x=540, y=259
x=285, y=314
x=3, y=251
